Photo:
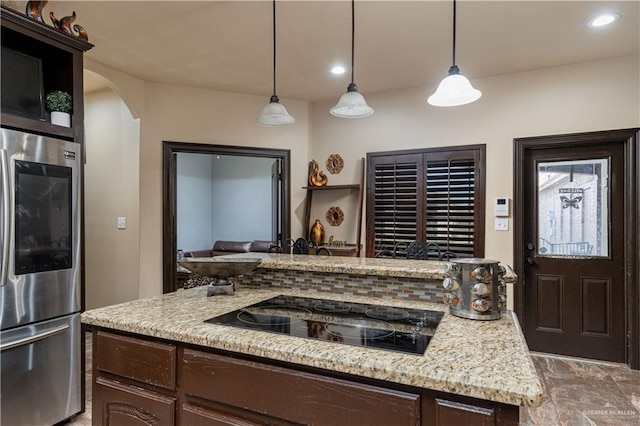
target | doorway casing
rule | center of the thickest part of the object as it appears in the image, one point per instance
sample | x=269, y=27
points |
x=169, y=195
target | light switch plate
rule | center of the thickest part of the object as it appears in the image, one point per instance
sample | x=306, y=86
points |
x=122, y=223
x=502, y=225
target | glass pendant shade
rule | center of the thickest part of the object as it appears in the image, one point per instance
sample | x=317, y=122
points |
x=352, y=105
x=454, y=90
x=274, y=114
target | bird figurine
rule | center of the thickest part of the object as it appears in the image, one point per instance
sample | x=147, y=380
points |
x=81, y=32
x=33, y=10
x=63, y=24
x=54, y=20
x=315, y=178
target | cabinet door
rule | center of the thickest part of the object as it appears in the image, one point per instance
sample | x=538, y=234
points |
x=116, y=404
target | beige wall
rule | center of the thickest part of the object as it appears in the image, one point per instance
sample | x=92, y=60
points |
x=181, y=114
x=111, y=190
x=584, y=97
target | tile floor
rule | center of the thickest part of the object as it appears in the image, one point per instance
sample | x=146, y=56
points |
x=577, y=392
x=583, y=392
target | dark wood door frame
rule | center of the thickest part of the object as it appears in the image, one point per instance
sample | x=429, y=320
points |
x=169, y=196
x=630, y=138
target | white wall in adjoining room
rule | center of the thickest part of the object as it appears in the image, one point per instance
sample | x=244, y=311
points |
x=241, y=198
x=584, y=97
x=194, y=201
x=111, y=190
x=222, y=197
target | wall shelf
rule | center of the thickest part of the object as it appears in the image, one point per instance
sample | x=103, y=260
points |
x=351, y=187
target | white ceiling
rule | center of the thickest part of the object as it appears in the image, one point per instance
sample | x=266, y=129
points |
x=227, y=45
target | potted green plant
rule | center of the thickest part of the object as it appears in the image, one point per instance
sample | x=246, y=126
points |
x=60, y=104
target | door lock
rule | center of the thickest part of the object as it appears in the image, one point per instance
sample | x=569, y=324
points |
x=529, y=246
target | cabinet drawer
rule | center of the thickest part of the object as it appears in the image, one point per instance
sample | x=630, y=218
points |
x=148, y=362
x=456, y=413
x=293, y=395
x=194, y=415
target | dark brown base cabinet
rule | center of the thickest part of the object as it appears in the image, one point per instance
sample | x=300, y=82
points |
x=141, y=381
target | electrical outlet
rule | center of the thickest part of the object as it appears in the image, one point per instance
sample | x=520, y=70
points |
x=502, y=225
x=122, y=223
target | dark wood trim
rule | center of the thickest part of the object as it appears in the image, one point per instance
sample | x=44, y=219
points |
x=631, y=138
x=41, y=31
x=360, y=208
x=169, y=194
x=425, y=150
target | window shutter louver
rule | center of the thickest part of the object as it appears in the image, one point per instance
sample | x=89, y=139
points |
x=434, y=195
x=395, y=197
x=450, y=191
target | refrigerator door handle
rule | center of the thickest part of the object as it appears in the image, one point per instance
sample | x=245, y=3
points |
x=5, y=228
x=32, y=339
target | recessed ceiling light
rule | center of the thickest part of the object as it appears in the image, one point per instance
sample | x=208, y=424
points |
x=603, y=20
x=338, y=69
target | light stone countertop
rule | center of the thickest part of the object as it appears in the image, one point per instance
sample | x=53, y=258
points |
x=428, y=269
x=482, y=359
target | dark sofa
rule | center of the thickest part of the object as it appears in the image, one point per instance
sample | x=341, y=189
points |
x=229, y=247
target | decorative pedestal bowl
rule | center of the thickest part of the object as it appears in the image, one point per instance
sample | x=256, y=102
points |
x=222, y=270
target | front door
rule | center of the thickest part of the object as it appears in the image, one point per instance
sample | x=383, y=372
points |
x=573, y=248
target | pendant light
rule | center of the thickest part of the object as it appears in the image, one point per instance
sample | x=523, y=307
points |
x=274, y=114
x=455, y=89
x=352, y=104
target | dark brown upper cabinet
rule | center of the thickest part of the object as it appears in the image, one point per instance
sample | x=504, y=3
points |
x=61, y=59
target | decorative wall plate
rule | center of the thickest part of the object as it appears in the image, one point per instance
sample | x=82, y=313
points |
x=335, y=216
x=335, y=164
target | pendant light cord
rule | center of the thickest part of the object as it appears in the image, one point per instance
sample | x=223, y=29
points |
x=353, y=32
x=274, y=49
x=454, y=32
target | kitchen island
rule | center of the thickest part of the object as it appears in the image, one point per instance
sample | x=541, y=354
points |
x=158, y=358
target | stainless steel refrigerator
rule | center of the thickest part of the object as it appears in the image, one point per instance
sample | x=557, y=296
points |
x=40, y=346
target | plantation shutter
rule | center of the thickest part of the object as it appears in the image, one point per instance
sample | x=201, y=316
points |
x=392, y=201
x=450, y=218
x=433, y=195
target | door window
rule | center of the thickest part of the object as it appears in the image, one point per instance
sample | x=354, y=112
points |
x=573, y=208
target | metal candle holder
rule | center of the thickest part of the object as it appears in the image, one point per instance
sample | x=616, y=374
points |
x=475, y=289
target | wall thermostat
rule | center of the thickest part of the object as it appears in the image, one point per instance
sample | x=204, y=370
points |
x=502, y=206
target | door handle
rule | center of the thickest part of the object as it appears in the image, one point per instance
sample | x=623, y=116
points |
x=5, y=215
x=529, y=260
x=32, y=339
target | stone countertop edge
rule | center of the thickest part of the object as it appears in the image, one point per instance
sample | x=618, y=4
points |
x=481, y=359
x=404, y=268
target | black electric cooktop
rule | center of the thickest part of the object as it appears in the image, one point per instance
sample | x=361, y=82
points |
x=356, y=324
